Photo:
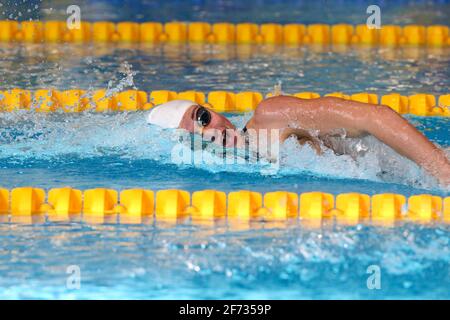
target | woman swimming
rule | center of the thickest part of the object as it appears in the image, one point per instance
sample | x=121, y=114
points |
x=318, y=122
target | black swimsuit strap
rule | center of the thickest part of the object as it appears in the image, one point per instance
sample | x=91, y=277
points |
x=247, y=142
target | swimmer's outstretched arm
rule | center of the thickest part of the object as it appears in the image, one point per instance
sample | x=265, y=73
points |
x=329, y=114
x=395, y=131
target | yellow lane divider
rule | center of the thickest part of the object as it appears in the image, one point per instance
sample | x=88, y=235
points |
x=173, y=205
x=76, y=100
x=227, y=33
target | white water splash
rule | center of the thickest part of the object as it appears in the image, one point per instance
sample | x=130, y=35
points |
x=116, y=85
x=27, y=135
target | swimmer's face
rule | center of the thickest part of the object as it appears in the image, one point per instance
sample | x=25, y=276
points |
x=212, y=126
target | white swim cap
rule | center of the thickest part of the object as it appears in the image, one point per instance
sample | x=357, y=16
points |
x=169, y=114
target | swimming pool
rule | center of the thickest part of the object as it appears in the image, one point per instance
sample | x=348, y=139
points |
x=120, y=151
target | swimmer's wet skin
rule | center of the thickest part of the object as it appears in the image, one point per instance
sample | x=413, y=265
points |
x=312, y=121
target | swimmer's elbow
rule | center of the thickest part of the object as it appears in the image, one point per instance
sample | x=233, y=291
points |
x=383, y=113
x=387, y=111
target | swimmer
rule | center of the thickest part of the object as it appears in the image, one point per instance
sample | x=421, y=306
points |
x=318, y=122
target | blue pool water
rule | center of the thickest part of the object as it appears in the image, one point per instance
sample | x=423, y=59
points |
x=153, y=260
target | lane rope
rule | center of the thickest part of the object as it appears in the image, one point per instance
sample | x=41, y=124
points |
x=225, y=33
x=77, y=100
x=243, y=205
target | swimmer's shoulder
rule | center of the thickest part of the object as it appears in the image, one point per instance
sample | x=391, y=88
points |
x=273, y=103
x=278, y=103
